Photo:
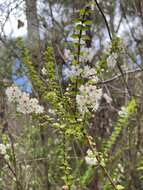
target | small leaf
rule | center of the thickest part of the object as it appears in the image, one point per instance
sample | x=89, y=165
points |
x=88, y=22
x=120, y=187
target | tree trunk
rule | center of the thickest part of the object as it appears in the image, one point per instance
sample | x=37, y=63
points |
x=33, y=30
x=36, y=57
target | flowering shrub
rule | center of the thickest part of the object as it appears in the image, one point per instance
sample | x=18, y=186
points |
x=54, y=149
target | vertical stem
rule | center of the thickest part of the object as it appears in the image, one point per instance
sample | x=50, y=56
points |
x=65, y=161
x=46, y=168
x=101, y=166
x=78, y=54
x=14, y=171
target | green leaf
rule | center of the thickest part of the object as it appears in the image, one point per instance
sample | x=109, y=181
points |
x=120, y=187
x=88, y=22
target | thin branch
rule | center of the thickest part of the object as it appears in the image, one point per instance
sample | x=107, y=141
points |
x=119, y=75
x=105, y=20
x=98, y=160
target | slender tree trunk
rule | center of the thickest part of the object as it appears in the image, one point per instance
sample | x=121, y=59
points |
x=33, y=30
x=36, y=57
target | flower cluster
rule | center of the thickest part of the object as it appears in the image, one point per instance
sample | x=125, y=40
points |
x=86, y=72
x=73, y=71
x=3, y=150
x=25, y=104
x=112, y=60
x=90, y=158
x=89, y=98
x=87, y=54
x=89, y=72
x=13, y=93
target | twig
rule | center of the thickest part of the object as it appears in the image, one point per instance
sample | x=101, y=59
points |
x=119, y=75
x=98, y=160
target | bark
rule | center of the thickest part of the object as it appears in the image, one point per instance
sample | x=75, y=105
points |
x=33, y=30
x=36, y=57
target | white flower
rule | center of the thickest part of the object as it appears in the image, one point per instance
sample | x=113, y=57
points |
x=87, y=54
x=122, y=111
x=68, y=55
x=3, y=149
x=39, y=109
x=112, y=60
x=25, y=104
x=33, y=102
x=44, y=71
x=13, y=93
x=89, y=98
x=34, y=106
x=6, y=157
x=121, y=168
x=82, y=101
x=90, y=161
x=79, y=23
x=94, y=79
x=91, y=158
x=68, y=72
x=88, y=72
x=74, y=71
x=51, y=111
